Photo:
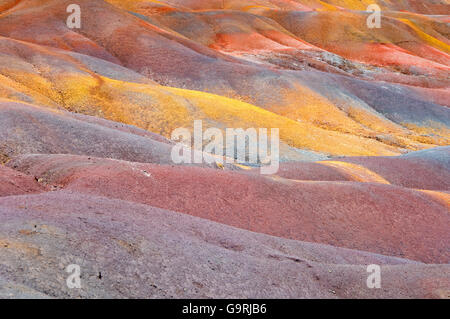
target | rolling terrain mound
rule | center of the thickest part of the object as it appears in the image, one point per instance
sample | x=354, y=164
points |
x=428, y=170
x=417, y=6
x=131, y=250
x=14, y=183
x=365, y=216
x=173, y=59
x=30, y=129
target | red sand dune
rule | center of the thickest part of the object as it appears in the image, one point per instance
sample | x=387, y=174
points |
x=380, y=218
x=60, y=132
x=400, y=47
x=146, y=252
x=15, y=183
x=420, y=172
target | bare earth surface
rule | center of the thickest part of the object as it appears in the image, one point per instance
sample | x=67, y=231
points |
x=142, y=251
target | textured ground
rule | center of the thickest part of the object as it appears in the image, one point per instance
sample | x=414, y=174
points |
x=366, y=216
x=86, y=175
x=141, y=251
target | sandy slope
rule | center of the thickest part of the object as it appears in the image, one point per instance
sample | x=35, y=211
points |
x=274, y=60
x=147, y=252
x=370, y=216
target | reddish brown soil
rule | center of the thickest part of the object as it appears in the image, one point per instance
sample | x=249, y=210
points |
x=15, y=183
x=380, y=218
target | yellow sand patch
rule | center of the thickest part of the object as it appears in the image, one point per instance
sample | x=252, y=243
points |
x=428, y=38
x=20, y=247
x=249, y=8
x=432, y=133
x=442, y=197
x=134, y=4
x=356, y=172
x=237, y=114
x=162, y=109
